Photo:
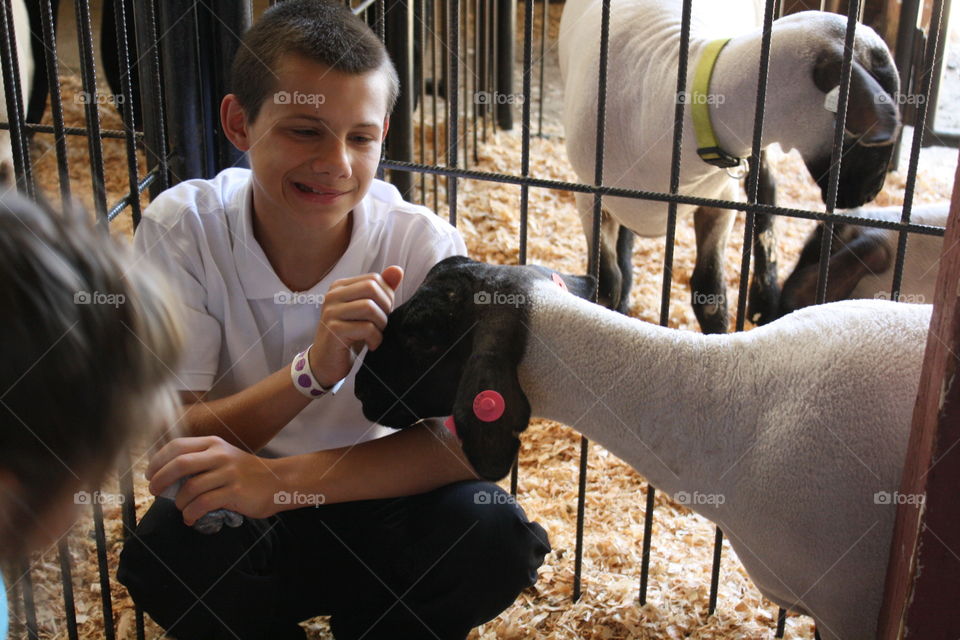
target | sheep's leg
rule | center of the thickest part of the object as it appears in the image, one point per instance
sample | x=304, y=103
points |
x=613, y=282
x=764, y=302
x=708, y=285
x=625, y=263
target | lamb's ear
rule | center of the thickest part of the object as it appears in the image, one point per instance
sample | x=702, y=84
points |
x=866, y=254
x=580, y=286
x=871, y=113
x=490, y=409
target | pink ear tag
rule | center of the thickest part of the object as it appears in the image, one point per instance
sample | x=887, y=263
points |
x=488, y=405
x=557, y=280
x=451, y=425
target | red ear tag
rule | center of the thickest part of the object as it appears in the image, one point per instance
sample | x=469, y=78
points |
x=451, y=425
x=557, y=280
x=488, y=405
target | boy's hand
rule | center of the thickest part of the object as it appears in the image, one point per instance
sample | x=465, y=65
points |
x=223, y=477
x=354, y=316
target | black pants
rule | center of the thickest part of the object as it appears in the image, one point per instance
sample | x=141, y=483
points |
x=433, y=565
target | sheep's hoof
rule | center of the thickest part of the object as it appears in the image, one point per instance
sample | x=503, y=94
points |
x=763, y=305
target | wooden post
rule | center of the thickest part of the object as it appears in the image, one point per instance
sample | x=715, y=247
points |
x=923, y=575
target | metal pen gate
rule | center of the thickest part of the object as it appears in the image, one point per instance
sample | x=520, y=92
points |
x=170, y=96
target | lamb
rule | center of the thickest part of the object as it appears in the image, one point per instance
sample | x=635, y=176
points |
x=862, y=260
x=800, y=425
x=805, y=61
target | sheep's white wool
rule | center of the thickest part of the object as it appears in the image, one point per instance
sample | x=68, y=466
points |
x=797, y=425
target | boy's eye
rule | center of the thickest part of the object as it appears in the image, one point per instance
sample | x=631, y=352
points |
x=305, y=132
x=362, y=139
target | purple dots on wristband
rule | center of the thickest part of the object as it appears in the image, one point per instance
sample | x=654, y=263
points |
x=316, y=392
x=304, y=381
x=301, y=363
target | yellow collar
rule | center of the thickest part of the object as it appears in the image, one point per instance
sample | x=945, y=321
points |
x=707, y=146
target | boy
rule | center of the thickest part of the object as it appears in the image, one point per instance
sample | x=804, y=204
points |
x=286, y=272
x=87, y=342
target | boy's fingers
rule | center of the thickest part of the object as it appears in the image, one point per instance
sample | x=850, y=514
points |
x=367, y=289
x=392, y=275
x=175, y=449
x=363, y=310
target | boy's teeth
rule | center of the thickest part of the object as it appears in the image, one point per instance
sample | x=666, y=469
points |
x=310, y=189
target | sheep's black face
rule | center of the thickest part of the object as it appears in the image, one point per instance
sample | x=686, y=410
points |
x=862, y=172
x=457, y=340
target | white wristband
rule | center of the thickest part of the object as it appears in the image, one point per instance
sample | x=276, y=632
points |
x=303, y=379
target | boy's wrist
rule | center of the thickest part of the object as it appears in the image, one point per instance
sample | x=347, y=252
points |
x=322, y=377
x=295, y=489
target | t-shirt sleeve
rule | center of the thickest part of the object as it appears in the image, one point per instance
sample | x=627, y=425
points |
x=176, y=253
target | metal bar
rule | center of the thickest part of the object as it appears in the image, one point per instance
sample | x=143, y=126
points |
x=781, y=622
x=423, y=100
x=606, y=191
x=66, y=580
x=837, y=154
x=436, y=89
x=151, y=93
x=129, y=117
x=463, y=41
x=453, y=107
x=593, y=260
x=398, y=23
x=104, y=567
x=124, y=202
x=904, y=53
x=933, y=42
x=525, y=125
x=73, y=131
x=544, y=32
x=506, y=26
x=15, y=103
x=474, y=74
x=29, y=604
x=91, y=109
x=129, y=517
x=56, y=98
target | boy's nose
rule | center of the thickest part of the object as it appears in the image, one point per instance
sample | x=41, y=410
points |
x=333, y=160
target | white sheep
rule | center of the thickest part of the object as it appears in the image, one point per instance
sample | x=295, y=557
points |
x=805, y=60
x=862, y=260
x=791, y=437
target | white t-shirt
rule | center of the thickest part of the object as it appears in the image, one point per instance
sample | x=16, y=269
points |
x=242, y=323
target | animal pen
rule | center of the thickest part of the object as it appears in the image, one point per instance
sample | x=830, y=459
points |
x=466, y=143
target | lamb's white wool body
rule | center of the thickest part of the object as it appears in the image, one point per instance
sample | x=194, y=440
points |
x=642, y=79
x=922, y=261
x=797, y=425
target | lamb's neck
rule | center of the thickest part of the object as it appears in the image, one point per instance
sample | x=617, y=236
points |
x=652, y=396
x=793, y=105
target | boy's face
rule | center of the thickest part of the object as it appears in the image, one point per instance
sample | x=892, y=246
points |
x=315, y=145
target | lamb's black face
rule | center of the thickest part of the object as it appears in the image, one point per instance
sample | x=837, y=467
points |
x=461, y=334
x=862, y=173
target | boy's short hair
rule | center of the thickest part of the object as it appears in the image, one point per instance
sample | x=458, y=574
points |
x=88, y=341
x=323, y=31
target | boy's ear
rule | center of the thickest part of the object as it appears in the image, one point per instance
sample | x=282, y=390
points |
x=386, y=127
x=233, y=119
